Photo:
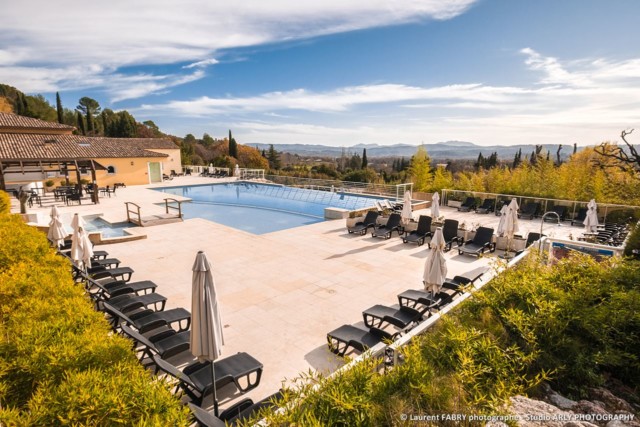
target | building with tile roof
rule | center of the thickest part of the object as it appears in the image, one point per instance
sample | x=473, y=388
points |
x=33, y=151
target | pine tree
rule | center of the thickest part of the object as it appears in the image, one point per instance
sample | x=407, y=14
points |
x=80, y=121
x=364, y=158
x=274, y=158
x=493, y=160
x=480, y=163
x=59, y=109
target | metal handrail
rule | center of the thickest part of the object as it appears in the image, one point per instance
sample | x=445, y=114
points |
x=168, y=206
x=130, y=211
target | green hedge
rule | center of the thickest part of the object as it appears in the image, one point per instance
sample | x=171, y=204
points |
x=574, y=325
x=59, y=362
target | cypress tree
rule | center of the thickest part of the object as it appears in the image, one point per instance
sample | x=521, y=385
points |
x=365, y=162
x=233, y=146
x=80, y=121
x=59, y=109
x=89, y=123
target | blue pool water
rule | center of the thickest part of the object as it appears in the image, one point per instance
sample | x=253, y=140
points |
x=262, y=208
x=107, y=229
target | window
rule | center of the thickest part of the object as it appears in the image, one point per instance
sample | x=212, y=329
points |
x=111, y=170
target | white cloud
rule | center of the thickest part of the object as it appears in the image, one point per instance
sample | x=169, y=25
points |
x=63, y=36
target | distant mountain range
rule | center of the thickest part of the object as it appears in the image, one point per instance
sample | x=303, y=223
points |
x=438, y=151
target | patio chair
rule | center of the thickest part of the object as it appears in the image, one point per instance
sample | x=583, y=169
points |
x=480, y=243
x=468, y=205
x=400, y=316
x=421, y=233
x=560, y=210
x=361, y=227
x=145, y=320
x=340, y=340
x=241, y=369
x=393, y=224
x=529, y=211
x=488, y=205
x=165, y=344
x=450, y=234
x=579, y=219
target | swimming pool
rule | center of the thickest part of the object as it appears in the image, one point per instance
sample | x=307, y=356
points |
x=262, y=208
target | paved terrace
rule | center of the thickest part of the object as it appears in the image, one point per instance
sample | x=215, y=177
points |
x=280, y=293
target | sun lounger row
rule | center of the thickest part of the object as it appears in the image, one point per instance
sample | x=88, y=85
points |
x=414, y=305
x=135, y=310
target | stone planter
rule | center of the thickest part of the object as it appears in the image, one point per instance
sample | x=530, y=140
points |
x=516, y=244
x=454, y=203
x=352, y=221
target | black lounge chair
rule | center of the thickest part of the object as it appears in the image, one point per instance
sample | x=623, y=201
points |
x=450, y=234
x=488, y=205
x=393, y=224
x=362, y=226
x=165, y=344
x=480, y=243
x=414, y=297
x=205, y=418
x=346, y=336
x=530, y=211
x=458, y=283
x=195, y=378
x=468, y=205
x=145, y=320
x=129, y=302
x=422, y=232
x=531, y=238
x=560, y=210
x=113, y=288
x=399, y=316
x=235, y=414
x=579, y=219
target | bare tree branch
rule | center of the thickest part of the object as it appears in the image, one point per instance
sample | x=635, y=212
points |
x=627, y=160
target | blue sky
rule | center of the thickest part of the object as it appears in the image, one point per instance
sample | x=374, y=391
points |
x=340, y=72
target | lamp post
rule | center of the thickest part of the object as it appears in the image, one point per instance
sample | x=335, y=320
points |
x=542, y=225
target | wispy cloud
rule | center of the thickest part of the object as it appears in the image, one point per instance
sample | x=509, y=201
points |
x=202, y=64
x=39, y=50
x=585, y=100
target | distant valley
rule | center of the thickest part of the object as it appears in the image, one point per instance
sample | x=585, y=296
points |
x=439, y=151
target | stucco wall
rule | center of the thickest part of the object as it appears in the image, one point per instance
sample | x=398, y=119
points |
x=130, y=171
x=172, y=162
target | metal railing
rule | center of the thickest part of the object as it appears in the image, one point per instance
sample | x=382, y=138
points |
x=135, y=212
x=546, y=204
x=168, y=204
x=395, y=192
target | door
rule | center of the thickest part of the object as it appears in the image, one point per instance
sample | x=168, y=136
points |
x=155, y=172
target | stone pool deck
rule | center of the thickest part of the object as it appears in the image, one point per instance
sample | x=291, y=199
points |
x=279, y=293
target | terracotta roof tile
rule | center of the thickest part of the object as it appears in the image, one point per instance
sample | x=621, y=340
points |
x=12, y=121
x=37, y=146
